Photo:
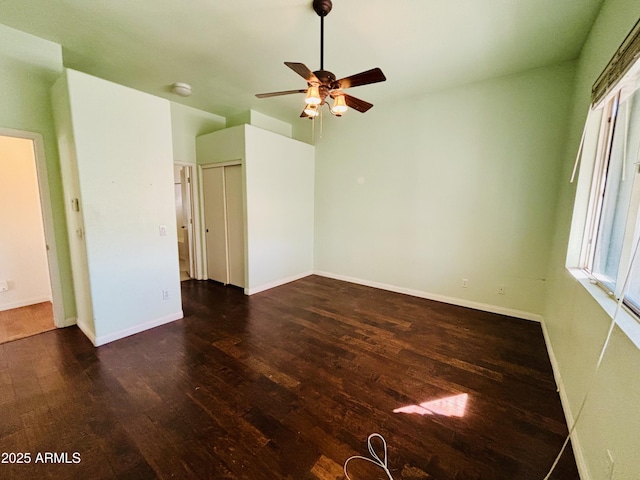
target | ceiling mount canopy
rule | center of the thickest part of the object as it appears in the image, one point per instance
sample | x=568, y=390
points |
x=322, y=7
x=323, y=83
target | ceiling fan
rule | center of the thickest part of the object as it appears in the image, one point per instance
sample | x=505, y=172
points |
x=322, y=83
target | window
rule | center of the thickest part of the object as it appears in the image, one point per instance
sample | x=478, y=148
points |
x=612, y=232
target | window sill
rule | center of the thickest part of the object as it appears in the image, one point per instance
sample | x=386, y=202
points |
x=627, y=321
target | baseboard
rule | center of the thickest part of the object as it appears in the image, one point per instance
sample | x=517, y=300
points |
x=104, y=339
x=568, y=415
x=24, y=303
x=68, y=322
x=485, y=307
x=277, y=283
x=84, y=328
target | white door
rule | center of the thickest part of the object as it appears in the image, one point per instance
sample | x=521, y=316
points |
x=215, y=223
x=235, y=224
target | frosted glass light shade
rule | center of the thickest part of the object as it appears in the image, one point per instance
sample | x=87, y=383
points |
x=313, y=96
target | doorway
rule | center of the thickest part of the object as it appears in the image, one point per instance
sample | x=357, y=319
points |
x=26, y=287
x=183, y=187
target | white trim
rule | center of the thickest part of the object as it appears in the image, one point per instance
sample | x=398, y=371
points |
x=201, y=267
x=47, y=219
x=229, y=163
x=626, y=321
x=25, y=303
x=568, y=415
x=277, y=283
x=97, y=341
x=192, y=220
x=485, y=307
x=68, y=322
x=87, y=331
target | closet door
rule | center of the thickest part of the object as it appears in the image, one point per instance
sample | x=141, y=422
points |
x=235, y=224
x=215, y=223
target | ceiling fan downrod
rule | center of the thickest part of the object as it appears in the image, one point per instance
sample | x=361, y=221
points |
x=322, y=8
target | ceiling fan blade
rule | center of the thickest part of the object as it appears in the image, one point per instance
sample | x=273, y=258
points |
x=302, y=70
x=356, y=103
x=277, y=94
x=374, y=75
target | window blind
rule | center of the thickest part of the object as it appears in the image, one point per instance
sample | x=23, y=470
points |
x=621, y=62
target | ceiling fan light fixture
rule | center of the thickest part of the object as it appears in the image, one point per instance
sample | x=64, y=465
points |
x=323, y=83
x=339, y=105
x=313, y=96
x=311, y=110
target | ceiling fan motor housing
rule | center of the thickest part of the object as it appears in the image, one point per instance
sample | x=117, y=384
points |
x=326, y=78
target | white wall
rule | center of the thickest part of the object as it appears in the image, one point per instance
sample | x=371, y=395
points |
x=28, y=67
x=260, y=120
x=23, y=258
x=279, y=201
x=121, y=140
x=576, y=324
x=187, y=123
x=424, y=192
x=222, y=146
x=75, y=225
x=280, y=208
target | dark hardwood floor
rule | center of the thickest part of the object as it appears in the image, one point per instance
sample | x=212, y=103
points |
x=286, y=384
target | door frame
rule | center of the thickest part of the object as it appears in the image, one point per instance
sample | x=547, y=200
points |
x=192, y=216
x=47, y=219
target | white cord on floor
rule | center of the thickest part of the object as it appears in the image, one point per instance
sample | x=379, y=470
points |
x=375, y=458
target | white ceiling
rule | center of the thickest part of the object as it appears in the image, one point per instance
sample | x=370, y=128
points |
x=229, y=50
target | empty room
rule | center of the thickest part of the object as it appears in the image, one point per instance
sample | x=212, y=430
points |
x=320, y=240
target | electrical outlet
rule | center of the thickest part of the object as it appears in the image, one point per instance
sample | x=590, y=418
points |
x=501, y=290
x=609, y=466
x=165, y=294
x=163, y=230
x=4, y=285
x=465, y=282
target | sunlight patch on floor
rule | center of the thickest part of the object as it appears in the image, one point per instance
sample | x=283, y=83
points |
x=453, y=406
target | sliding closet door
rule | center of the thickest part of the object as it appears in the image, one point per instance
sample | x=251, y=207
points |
x=214, y=220
x=235, y=224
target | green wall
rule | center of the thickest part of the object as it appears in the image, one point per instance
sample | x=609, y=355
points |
x=28, y=69
x=187, y=123
x=576, y=324
x=418, y=194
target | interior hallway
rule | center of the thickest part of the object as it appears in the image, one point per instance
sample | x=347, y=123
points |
x=25, y=321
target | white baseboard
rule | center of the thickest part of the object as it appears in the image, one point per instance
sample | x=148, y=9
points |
x=24, y=303
x=104, y=339
x=87, y=331
x=277, y=283
x=67, y=322
x=575, y=441
x=485, y=307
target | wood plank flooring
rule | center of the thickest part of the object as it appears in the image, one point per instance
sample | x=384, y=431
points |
x=287, y=384
x=26, y=321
